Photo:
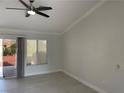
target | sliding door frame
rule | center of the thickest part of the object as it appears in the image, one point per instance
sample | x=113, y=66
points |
x=14, y=37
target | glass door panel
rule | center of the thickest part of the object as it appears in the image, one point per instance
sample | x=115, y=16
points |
x=1, y=59
x=9, y=57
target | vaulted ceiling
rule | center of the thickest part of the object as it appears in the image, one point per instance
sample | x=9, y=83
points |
x=64, y=13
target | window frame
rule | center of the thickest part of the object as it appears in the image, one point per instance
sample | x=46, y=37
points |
x=46, y=62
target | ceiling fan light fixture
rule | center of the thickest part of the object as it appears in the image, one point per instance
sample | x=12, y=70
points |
x=31, y=12
x=30, y=9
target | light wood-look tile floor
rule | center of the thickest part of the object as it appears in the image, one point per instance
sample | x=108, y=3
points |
x=49, y=83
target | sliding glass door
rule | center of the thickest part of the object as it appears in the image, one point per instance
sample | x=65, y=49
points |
x=8, y=58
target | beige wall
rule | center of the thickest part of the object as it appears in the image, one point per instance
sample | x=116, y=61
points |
x=94, y=47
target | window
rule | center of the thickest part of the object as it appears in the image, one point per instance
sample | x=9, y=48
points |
x=36, y=52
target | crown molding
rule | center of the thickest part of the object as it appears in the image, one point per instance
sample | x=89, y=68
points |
x=84, y=16
x=20, y=32
x=9, y=31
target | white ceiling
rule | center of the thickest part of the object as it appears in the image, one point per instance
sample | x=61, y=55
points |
x=64, y=13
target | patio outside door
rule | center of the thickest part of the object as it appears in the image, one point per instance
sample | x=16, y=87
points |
x=8, y=58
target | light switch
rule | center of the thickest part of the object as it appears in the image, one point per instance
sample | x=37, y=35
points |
x=118, y=66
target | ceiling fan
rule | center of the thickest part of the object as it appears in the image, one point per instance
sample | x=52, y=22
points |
x=31, y=10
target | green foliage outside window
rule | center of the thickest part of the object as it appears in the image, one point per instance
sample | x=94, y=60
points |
x=10, y=50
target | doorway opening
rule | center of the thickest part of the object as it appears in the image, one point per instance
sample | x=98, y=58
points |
x=8, y=58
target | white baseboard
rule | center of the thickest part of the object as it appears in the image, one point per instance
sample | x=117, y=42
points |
x=43, y=72
x=85, y=82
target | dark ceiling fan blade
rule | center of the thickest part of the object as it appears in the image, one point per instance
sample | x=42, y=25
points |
x=16, y=8
x=43, y=8
x=42, y=14
x=26, y=5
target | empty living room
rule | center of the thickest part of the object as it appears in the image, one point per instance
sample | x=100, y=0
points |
x=61, y=46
